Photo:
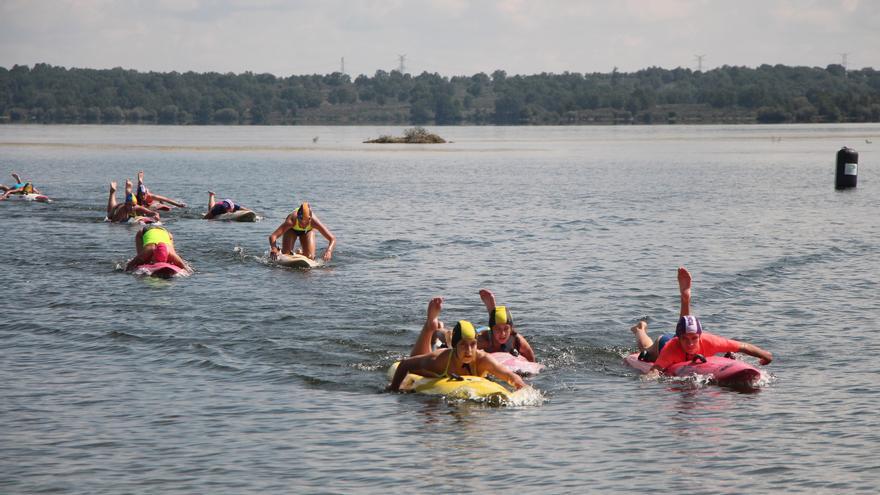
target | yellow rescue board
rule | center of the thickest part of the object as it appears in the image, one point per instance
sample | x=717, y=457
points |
x=464, y=388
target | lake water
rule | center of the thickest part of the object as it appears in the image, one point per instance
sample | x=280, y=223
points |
x=247, y=378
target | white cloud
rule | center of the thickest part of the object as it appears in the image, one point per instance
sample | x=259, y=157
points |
x=446, y=36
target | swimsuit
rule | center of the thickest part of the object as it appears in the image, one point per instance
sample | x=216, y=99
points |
x=299, y=229
x=155, y=235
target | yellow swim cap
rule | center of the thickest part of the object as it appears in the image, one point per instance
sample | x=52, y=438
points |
x=500, y=316
x=464, y=330
x=303, y=210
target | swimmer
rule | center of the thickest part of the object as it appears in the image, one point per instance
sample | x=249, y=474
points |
x=502, y=335
x=463, y=358
x=301, y=225
x=20, y=187
x=124, y=212
x=689, y=339
x=218, y=208
x=151, y=200
x=154, y=244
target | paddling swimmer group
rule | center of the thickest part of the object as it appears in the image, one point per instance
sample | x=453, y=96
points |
x=438, y=351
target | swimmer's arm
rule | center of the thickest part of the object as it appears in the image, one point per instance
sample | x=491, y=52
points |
x=178, y=261
x=500, y=371
x=328, y=253
x=406, y=366
x=653, y=373
x=146, y=211
x=135, y=262
x=766, y=357
x=273, y=237
x=525, y=350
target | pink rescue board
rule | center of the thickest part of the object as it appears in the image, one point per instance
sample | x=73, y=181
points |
x=517, y=364
x=724, y=371
x=159, y=270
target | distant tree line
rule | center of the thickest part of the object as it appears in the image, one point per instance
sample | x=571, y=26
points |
x=768, y=94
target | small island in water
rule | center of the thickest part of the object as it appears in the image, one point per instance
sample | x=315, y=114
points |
x=413, y=135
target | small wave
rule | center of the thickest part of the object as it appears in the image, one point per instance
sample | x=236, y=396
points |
x=209, y=364
x=116, y=334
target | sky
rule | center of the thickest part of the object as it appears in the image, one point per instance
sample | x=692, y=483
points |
x=450, y=37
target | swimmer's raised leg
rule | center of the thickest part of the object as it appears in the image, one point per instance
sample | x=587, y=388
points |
x=111, y=201
x=488, y=299
x=684, y=288
x=432, y=324
x=211, y=201
x=640, y=330
x=17, y=178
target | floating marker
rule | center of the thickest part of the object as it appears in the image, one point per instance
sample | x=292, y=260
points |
x=847, y=168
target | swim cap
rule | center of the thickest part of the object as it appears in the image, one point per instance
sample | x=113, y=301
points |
x=500, y=316
x=463, y=330
x=160, y=253
x=303, y=210
x=229, y=204
x=688, y=324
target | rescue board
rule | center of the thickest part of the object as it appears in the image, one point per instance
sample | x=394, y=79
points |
x=143, y=221
x=238, y=216
x=723, y=371
x=31, y=197
x=461, y=388
x=517, y=364
x=159, y=270
x=296, y=261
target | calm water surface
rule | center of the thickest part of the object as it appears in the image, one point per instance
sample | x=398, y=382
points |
x=246, y=378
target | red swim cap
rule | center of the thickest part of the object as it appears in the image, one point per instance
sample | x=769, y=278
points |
x=160, y=253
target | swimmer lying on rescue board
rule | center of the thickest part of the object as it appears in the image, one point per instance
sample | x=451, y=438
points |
x=462, y=359
x=689, y=339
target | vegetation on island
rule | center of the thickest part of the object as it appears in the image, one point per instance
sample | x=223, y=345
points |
x=415, y=135
x=767, y=94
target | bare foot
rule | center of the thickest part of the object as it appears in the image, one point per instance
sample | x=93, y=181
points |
x=211, y=193
x=640, y=327
x=684, y=279
x=140, y=176
x=113, y=186
x=128, y=183
x=640, y=330
x=434, y=308
x=488, y=298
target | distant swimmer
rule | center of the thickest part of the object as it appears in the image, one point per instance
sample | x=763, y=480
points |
x=301, y=225
x=502, y=335
x=20, y=187
x=689, y=340
x=463, y=358
x=151, y=200
x=216, y=208
x=154, y=244
x=129, y=210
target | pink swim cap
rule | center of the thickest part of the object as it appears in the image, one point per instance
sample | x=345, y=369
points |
x=160, y=253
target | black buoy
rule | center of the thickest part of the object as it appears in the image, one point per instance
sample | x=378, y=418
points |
x=847, y=168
